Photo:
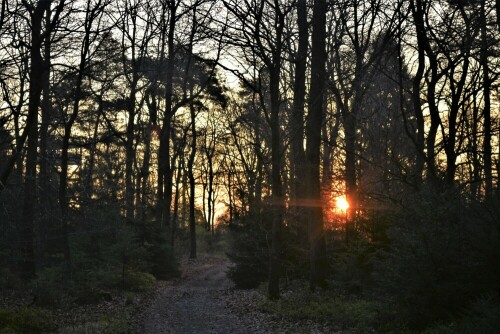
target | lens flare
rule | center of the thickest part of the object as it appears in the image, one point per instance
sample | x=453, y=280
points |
x=341, y=203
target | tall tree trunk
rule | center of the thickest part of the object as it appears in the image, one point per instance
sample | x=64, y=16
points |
x=46, y=200
x=131, y=108
x=192, y=220
x=129, y=146
x=417, y=13
x=313, y=135
x=488, y=175
x=230, y=193
x=349, y=118
x=184, y=205
x=175, y=218
x=475, y=163
x=29, y=204
x=146, y=163
x=297, y=124
x=89, y=184
x=63, y=179
x=210, y=200
x=164, y=164
x=277, y=189
x=152, y=104
x=416, y=135
x=278, y=201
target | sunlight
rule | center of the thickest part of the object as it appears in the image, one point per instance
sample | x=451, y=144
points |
x=341, y=203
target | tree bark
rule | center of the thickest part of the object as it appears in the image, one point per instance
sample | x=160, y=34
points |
x=275, y=265
x=192, y=220
x=46, y=200
x=37, y=70
x=164, y=164
x=487, y=150
x=297, y=125
x=313, y=135
x=424, y=48
x=77, y=96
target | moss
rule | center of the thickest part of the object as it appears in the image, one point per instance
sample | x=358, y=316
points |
x=25, y=320
x=138, y=281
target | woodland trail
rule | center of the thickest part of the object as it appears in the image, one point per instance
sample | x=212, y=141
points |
x=196, y=302
x=203, y=300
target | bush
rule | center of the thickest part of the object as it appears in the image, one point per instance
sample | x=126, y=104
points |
x=443, y=254
x=339, y=310
x=25, y=320
x=8, y=280
x=353, y=265
x=482, y=317
x=250, y=240
x=48, y=287
x=138, y=281
x=249, y=254
x=159, y=256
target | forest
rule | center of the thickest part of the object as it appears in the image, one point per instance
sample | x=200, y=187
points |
x=338, y=160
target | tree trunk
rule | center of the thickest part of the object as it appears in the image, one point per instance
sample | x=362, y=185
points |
x=418, y=17
x=278, y=201
x=89, y=185
x=192, y=220
x=488, y=176
x=297, y=125
x=175, y=218
x=29, y=204
x=129, y=146
x=164, y=164
x=277, y=189
x=313, y=135
x=46, y=200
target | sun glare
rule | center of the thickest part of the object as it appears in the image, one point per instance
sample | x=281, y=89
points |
x=341, y=203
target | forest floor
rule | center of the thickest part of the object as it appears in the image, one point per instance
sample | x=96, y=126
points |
x=201, y=300
x=204, y=300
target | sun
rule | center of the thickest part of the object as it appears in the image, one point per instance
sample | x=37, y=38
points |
x=342, y=203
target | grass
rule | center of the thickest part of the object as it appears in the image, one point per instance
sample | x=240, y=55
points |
x=26, y=320
x=114, y=323
x=325, y=307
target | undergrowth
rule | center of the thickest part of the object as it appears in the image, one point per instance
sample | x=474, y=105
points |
x=26, y=320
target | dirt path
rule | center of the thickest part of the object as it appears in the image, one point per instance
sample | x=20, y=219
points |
x=203, y=301
x=196, y=303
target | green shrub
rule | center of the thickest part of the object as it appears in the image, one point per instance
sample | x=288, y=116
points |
x=443, y=254
x=138, y=281
x=25, y=320
x=249, y=241
x=353, y=265
x=345, y=312
x=159, y=254
x=84, y=295
x=48, y=287
x=482, y=317
x=249, y=254
x=8, y=280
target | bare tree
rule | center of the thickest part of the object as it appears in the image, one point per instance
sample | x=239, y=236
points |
x=251, y=34
x=313, y=134
x=297, y=118
x=37, y=69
